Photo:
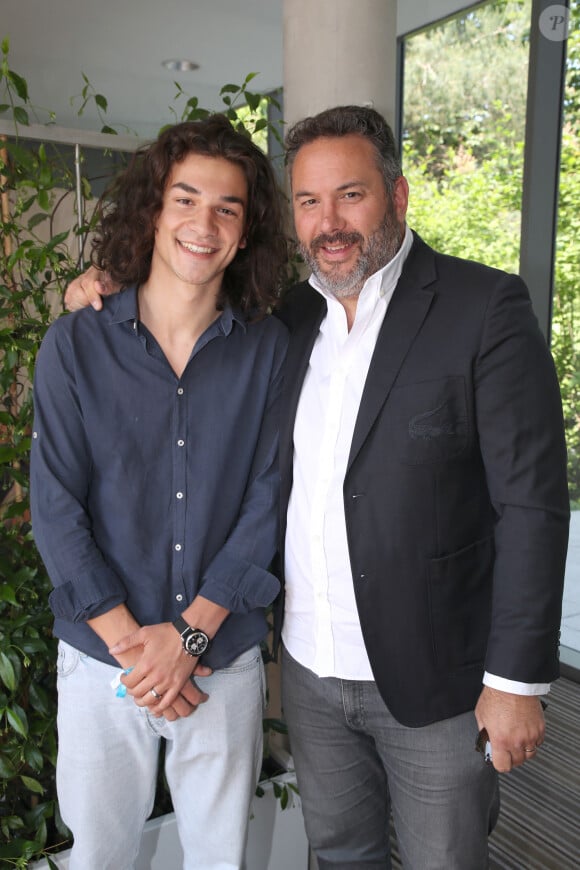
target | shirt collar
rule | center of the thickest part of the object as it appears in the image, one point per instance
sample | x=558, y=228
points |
x=382, y=282
x=123, y=307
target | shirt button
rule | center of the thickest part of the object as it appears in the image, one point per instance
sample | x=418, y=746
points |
x=180, y=391
x=35, y=434
x=179, y=494
x=178, y=547
x=181, y=442
x=179, y=597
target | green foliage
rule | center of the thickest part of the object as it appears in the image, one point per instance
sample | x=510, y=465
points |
x=35, y=266
x=566, y=313
x=247, y=110
x=463, y=152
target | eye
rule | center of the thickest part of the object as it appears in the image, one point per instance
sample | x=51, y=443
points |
x=227, y=211
x=351, y=194
x=184, y=200
x=307, y=203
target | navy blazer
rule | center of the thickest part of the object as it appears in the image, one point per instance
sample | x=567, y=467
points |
x=455, y=494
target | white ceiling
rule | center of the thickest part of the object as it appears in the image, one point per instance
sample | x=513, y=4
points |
x=119, y=46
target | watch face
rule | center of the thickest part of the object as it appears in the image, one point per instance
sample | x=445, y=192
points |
x=196, y=642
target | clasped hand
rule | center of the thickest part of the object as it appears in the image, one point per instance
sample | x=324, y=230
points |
x=161, y=678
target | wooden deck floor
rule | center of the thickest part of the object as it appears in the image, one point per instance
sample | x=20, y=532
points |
x=539, y=825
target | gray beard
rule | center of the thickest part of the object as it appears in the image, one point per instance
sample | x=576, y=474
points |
x=381, y=247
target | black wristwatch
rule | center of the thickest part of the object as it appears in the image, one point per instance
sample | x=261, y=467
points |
x=195, y=641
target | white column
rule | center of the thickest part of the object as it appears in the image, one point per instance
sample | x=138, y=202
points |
x=338, y=52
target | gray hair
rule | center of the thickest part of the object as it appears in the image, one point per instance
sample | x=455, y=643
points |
x=344, y=121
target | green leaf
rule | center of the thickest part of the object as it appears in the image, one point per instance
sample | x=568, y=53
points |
x=101, y=102
x=32, y=784
x=230, y=89
x=7, y=594
x=57, y=240
x=44, y=200
x=19, y=849
x=17, y=719
x=253, y=100
x=284, y=798
x=34, y=758
x=7, y=672
x=39, y=700
x=19, y=84
x=36, y=219
x=21, y=116
x=7, y=769
x=7, y=453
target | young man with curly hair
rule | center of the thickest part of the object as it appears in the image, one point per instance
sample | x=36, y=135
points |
x=154, y=493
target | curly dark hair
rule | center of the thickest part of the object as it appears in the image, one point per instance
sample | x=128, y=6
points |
x=344, y=121
x=128, y=210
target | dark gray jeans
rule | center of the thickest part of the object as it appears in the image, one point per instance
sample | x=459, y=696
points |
x=355, y=763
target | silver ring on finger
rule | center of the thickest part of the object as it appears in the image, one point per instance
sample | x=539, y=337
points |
x=155, y=694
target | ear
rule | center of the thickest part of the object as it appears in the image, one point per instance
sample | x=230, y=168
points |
x=243, y=243
x=401, y=197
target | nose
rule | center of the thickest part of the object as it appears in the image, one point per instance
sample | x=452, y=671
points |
x=204, y=221
x=331, y=218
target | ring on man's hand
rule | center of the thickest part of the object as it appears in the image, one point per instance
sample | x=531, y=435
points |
x=532, y=749
x=155, y=694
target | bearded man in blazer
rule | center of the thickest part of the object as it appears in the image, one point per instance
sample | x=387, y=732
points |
x=424, y=515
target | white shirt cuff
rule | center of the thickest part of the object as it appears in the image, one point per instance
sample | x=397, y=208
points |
x=514, y=687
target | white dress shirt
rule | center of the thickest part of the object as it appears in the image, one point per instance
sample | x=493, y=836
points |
x=321, y=625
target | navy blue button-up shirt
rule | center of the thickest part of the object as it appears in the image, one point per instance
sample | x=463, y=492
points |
x=146, y=488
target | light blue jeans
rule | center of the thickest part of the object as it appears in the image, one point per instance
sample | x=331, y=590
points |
x=355, y=763
x=108, y=757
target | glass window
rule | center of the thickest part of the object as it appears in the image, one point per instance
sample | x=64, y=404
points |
x=463, y=127
x=566, y=323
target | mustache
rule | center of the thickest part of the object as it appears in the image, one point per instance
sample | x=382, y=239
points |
x=338, y=238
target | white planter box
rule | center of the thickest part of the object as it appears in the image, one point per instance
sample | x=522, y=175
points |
x=276, y=837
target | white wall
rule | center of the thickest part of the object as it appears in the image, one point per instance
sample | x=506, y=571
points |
x=413, y=14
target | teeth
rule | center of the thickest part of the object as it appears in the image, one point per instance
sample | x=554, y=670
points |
x=196, y=249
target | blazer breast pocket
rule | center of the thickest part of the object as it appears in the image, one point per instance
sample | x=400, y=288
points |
x=430, y=420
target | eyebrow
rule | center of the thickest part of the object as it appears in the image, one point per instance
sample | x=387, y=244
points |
x=223, y=197
x=345, y=186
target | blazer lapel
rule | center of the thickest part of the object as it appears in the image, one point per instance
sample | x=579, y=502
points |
x=406, y=312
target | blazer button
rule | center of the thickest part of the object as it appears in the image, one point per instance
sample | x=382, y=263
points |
x=362, y=576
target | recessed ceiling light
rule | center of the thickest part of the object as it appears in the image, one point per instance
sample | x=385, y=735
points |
x=180, y=65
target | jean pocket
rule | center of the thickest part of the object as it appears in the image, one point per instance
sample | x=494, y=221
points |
x=68, y=659
x=247, y=661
